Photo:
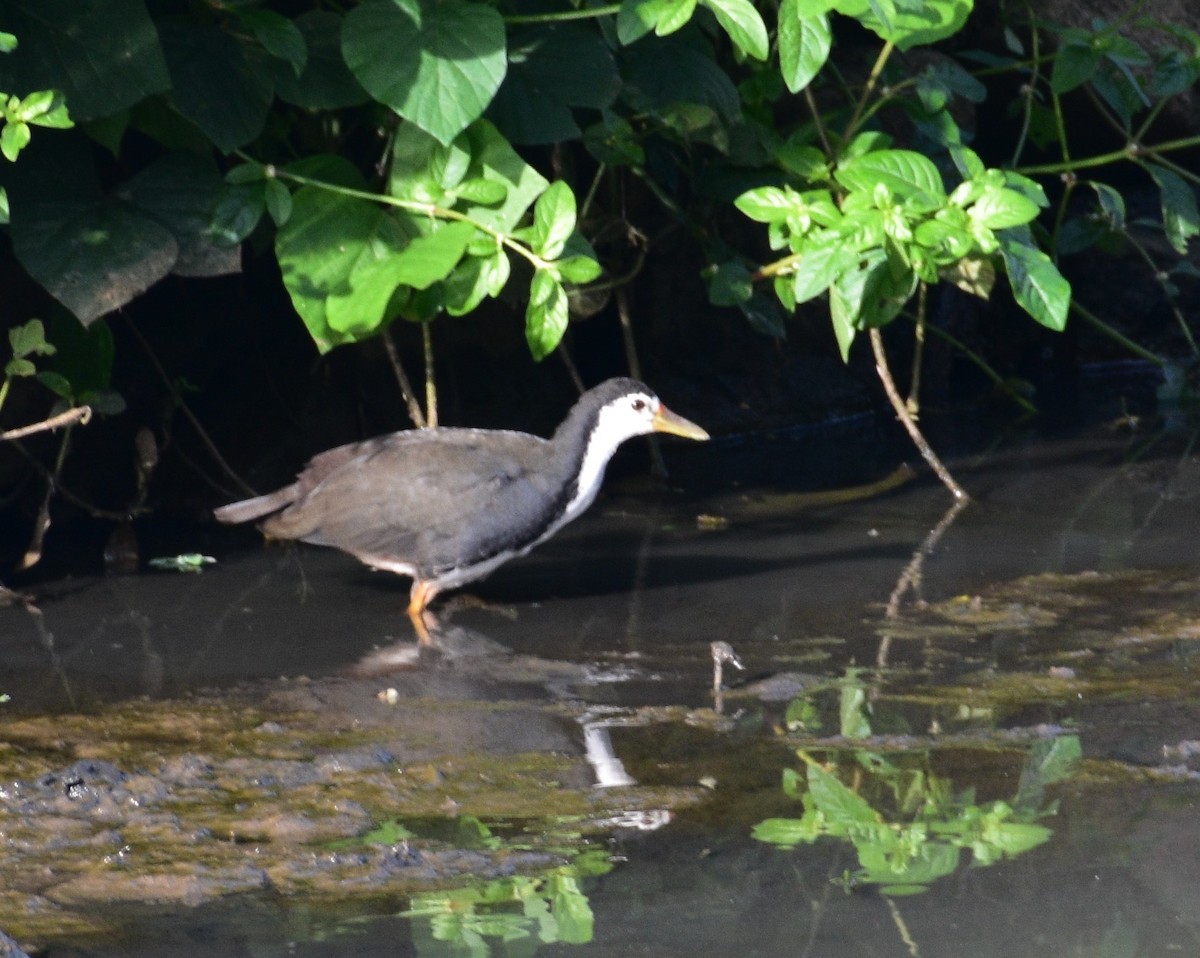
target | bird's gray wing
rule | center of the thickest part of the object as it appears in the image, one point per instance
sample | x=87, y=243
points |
x=433, y=498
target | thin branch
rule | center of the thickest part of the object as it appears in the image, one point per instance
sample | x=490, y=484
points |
x=78, y=414
x=1113, y=334
x=177, y=396
x=914, y=386
x=884, y=53
x=893, y=394
x=431, y=412
x=406, y=390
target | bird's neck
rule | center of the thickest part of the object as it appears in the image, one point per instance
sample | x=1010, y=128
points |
x=583, y=447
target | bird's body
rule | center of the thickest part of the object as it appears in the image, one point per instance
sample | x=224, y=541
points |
x=448, y=506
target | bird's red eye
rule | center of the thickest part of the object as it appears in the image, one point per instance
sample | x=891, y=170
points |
x=639, y=405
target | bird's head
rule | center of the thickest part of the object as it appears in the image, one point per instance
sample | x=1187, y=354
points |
x=627, y=408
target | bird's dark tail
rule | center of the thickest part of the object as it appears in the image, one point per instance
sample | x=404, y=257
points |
x=259, y=506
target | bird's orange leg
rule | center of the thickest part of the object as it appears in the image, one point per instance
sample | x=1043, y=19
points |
x=422, y=594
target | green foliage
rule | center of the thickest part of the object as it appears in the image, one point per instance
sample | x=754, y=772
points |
x=888, y=223
x=376, y=142
x=929, y=826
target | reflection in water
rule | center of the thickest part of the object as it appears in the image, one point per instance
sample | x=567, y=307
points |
x=904, y=766
x=907, y=824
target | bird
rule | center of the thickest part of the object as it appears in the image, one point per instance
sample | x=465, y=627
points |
x=448, y=505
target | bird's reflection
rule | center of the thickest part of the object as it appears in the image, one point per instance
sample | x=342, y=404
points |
x=437, y=643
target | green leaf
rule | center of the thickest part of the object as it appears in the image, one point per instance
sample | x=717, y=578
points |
x=837, y=802
x=90, y=251
x=18, y=368
x=804, y=44
x=61, y=49
x=279, y=37
x=317, y=250
x=13, y=139
x=803, y=160
x=1038, y=286
x=659, y=76
x=427, y=259
x=613, y=141
x=553, y=220
x=1048, y=761
x=744, y=25
x=180, y=190
x=453, y=61
x=547, y=314
x=843, y=313
x=820, y=266
x=909, y=23
x=998, y=208
x=853, y=709
x=237, y=213
x=1075, y=65
x=552, y=71
x=222, y=84
x=29, y=339
x=57, y=384
x=279, y=201
x=8, y=42
x=419, y=161
x=670, y=15
x=84, y=357
x=906, y=174
x=767, y=204
x=763, y=314
x=578, y=269
x=479, y=190
x=496, y=272
x=1181, y=220
x=326, y=83
x=786, y=832
x=730, y=284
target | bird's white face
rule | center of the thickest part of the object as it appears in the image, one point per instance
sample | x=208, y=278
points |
x=633, y=414
x=628, y=415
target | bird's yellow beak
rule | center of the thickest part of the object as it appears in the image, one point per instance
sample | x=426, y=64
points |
x=667, y=421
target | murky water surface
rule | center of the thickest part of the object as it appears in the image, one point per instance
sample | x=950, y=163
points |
x=975, y=735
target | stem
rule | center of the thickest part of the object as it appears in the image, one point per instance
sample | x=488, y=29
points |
x=76, y=414
x=406, y=390
x=1101, y=325
x=1157, y=274
x=1181, y=171
x=590, y=14
x=413, y=206
x=1029, y=87
x=431, y=415
x=893, y=394
x=880, y=62
x=1140, y=133
x=816, y=115
x=913, y=405
x=178, y=399
x=1128, y=152
x=987, y=370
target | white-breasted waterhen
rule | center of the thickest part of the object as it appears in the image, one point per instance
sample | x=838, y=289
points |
x=447, y=506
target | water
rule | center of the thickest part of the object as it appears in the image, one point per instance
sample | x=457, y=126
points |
x=961, y=694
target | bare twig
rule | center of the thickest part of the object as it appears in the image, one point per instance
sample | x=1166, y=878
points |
x=406, y=390
x=177, y=396
x=80, y=415
x=431, y=414
x=889, y=386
